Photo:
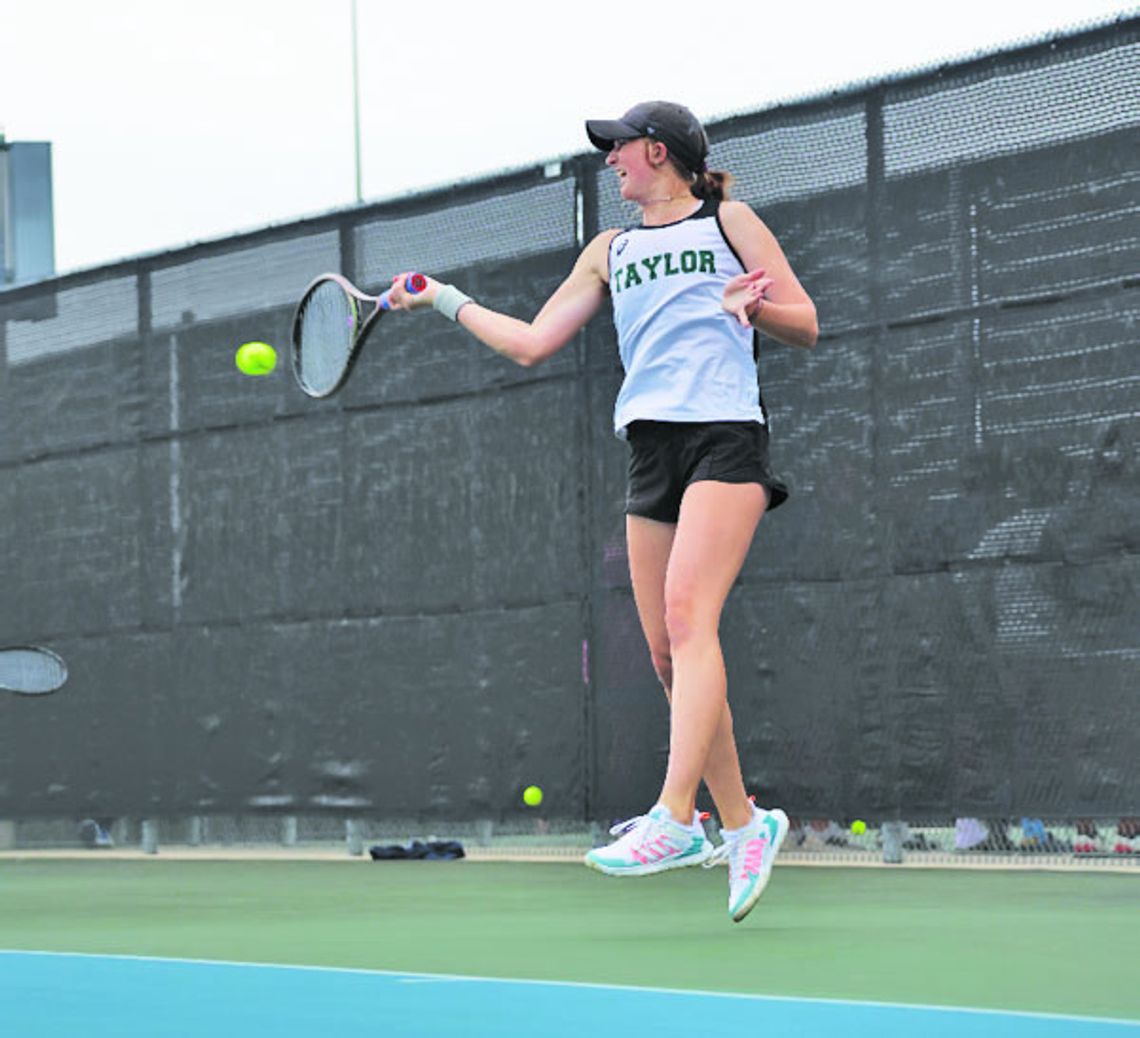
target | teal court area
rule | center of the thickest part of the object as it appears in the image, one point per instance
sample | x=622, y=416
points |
x=43, y=995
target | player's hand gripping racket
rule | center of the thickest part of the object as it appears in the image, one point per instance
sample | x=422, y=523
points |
x=31, y=671
x=329, y=328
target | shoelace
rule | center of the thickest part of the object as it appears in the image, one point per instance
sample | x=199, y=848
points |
x=734, y=851
x=718, y=855
x=629, y=823
x=624, y=827
x=652, y=829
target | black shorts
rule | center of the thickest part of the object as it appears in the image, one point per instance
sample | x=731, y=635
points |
x=665, y=457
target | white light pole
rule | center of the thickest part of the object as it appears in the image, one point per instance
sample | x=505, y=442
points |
x=356, y=103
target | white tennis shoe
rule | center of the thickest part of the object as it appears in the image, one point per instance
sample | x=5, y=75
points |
x=651, y=843
x=750, y=853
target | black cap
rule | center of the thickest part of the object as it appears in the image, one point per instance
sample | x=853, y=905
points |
x=671, y=124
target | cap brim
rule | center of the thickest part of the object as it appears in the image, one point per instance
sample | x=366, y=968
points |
x=603, y=132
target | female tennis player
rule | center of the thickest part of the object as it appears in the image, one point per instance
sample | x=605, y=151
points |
x=689, y=286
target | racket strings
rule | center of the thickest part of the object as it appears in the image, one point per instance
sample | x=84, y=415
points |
x=329, y=321
x=31, y=671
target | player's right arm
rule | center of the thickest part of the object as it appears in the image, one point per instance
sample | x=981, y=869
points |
x=565, y=313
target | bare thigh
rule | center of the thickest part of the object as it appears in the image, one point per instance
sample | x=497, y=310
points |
x=649, y=544
x=689, y=567
x=710, y=543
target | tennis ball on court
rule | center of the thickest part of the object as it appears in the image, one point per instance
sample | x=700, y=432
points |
x=256, y=358
x=532, y=796
x=858, y=827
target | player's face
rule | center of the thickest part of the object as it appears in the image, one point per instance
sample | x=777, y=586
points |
x=630, y=160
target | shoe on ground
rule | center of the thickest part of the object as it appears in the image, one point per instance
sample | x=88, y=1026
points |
x=651, y=843
x=750, y=853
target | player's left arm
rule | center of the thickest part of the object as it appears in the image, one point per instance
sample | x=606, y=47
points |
x=768, y=296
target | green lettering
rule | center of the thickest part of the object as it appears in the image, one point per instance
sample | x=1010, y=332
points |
x=708, y=262
x=651, y=266
x=688, y=261
x=617, y=281
x=632, y=277
x=669, y=268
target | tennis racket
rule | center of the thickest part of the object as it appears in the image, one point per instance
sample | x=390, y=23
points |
x=329, y=327
x=31, y=671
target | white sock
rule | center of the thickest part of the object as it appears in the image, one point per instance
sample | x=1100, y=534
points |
x=732, y=834
x=669, y=815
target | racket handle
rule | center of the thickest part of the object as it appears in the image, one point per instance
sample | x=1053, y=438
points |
x=413, y=283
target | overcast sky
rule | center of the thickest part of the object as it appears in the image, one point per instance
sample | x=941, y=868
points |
x=180, y=120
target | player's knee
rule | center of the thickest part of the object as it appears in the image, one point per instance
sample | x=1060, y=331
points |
x=663, y=667
x=680, y=621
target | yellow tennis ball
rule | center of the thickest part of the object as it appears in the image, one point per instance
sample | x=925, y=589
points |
x=532, y=796
x=256, y=358
x=858, y=827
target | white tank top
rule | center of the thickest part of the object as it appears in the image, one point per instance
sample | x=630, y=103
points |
x=685, y=358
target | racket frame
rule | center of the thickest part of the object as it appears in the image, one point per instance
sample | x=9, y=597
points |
x=357, y=299
x=415, y=283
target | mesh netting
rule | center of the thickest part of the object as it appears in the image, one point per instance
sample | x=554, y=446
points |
x=412, y=601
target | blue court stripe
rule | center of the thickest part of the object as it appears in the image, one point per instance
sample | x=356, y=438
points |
x=47, y=994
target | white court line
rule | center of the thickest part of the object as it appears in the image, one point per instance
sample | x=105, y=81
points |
x=450, y=977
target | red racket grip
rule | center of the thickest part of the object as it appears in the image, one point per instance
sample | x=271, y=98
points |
x=413, y=283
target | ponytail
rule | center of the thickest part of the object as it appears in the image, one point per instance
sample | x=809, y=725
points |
x=712, y=184
x=707, y=184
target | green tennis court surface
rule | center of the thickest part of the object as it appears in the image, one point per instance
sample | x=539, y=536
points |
x=1032, y=942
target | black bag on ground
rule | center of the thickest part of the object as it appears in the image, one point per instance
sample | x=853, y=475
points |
x=418, y=850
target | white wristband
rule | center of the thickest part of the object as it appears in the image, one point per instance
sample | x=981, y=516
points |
x=448, y=301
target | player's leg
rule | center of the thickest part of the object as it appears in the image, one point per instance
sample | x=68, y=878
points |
x=649, y=545
x=715, y=528
x=653, y=842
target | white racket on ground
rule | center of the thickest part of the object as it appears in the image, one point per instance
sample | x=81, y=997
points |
x=31, y=671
